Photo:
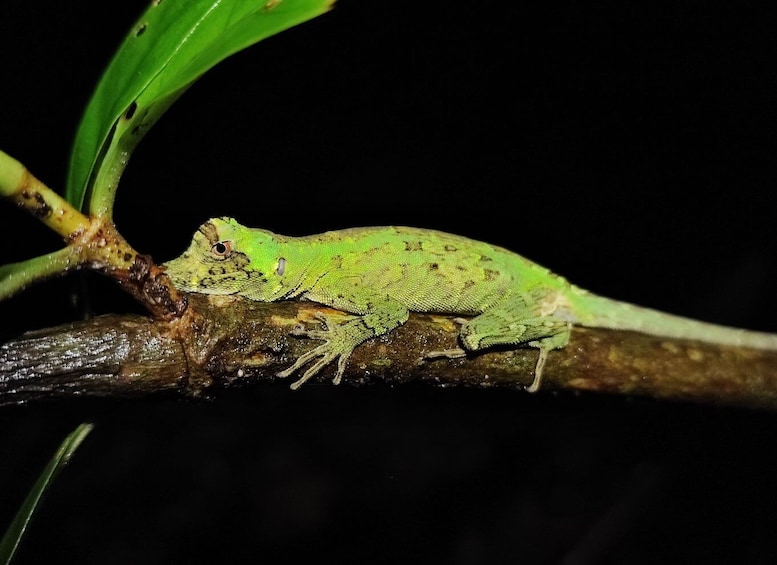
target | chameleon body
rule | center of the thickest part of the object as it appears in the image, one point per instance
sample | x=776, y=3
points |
x=381, y=274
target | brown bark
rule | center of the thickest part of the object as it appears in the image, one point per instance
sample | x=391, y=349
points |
x=220, y=343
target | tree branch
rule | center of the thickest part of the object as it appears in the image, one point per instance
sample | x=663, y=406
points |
x=224, y=342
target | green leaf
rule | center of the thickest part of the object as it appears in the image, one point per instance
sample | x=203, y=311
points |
x=13, y=536
x=172, y=44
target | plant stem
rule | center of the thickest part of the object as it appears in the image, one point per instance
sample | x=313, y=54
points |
x=15, y=277
x=20, y=186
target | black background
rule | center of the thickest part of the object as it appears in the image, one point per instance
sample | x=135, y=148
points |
x=628, y=146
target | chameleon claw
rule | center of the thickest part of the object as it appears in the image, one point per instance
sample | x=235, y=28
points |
x=298, y=330
x=306, y=376
x=538, y=368
x=455, y=353
x=312, y=371
x=341, y=362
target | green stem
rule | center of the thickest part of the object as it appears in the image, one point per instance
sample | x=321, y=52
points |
x=15, y=277
x=107, y=181
x=18, y=185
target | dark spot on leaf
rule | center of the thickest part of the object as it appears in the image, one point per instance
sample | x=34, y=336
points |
x=141, y=29
x=270, y=5
x=130, y=111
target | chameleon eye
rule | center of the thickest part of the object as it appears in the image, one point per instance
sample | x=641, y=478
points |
x=221, y=250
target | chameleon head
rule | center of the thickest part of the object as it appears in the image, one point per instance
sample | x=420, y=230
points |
x=225, y=257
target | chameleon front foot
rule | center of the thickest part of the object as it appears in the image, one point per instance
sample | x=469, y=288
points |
x=335, y=346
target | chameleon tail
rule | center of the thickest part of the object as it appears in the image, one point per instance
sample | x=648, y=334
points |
x=591, y=310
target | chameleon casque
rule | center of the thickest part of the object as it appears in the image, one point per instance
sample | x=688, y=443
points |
x=382, y=274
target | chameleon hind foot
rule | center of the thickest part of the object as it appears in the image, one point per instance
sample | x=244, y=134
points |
x=545, y=345
x=538, y=368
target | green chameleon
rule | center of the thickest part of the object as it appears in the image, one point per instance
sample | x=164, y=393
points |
x=384, y=273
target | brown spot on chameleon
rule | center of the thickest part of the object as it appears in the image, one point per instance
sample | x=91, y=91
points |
x=240, y=261
x=414, y=246
x=210, y=232
x=234, y=267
